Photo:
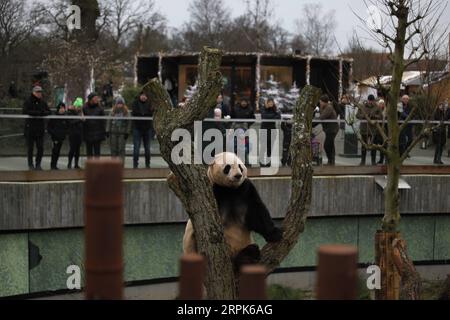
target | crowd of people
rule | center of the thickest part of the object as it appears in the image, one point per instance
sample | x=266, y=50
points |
x=117, y=129
x=92, y=131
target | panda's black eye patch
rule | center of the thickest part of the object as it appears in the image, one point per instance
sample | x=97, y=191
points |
x=227, y=169
x=240, y=167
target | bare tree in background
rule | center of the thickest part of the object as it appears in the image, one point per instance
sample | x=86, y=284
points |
x=71, y=55
x=208, y=25
x=279, y=39
x=17, y=23
x=361, y=55
x=259, y=13
x=315, y=28
x=409, y=31
x=125, y=17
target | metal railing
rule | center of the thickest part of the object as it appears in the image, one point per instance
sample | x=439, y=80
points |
x=13, y=144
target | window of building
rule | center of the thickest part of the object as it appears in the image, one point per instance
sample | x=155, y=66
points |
x=242, y=81
x=283, y=75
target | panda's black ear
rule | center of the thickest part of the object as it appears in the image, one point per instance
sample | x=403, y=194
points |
x=227, y=169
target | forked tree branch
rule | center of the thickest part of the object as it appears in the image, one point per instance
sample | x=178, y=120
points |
x=191, y=185
x=301, y=186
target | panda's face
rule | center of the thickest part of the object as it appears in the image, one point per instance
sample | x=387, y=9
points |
x=227, y=170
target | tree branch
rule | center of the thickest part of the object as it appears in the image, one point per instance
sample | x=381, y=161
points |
x=190, y=182
x=423, y=133
x=272, y=254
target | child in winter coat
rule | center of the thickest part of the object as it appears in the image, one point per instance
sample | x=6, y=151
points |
x=118, y=128
x=57, y=128
x=75, y=131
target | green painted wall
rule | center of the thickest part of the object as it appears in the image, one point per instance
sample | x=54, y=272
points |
x=13, y=264
x=152, y=251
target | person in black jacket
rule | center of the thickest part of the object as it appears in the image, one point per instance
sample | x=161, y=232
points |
x=242, y=110
x=327, y=112
x=439, y=136
x=57, y=128
x=94, y=131
x=35, y=128
x=448, y=118
x=75, y=131
x=142, y=129
x=268, y=112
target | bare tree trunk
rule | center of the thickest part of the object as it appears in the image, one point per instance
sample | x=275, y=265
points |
x=391, y=217
x=384, y=258
x=191, y=185
x=410, y=286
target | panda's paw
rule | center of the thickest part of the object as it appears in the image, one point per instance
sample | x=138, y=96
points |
x=249, y=255
x=275, y=236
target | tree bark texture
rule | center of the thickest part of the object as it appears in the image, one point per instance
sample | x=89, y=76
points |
x=410, y=282
x=390, y=277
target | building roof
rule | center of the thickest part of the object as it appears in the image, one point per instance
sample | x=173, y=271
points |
x=408, y=78
x=183, y=54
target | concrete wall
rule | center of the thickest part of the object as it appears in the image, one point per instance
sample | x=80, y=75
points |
x=36, y=261
x=48, y=205
x=41, y=226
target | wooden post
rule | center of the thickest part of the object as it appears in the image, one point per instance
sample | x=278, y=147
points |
x=192, y=277
x=252, y=284
x=103, y=218
x=384, y=258
x=337, y=276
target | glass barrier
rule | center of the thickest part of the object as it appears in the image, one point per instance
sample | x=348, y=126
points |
x=117, y=136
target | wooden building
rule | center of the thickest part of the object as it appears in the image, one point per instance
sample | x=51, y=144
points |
x=245, y=73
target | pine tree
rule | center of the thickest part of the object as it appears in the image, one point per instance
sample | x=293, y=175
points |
x=290, y=99
x=272, y=90
x=190, y=91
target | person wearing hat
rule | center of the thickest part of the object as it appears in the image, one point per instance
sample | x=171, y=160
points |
x=142, y=129
x=369, y=132
x=327, y=112
x=34, y=131
x=94, y=129
x=118, y=128
x=406, y=135
x=57, y=128
x=75, y=132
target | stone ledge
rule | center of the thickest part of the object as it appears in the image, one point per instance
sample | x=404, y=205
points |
x=49, y=205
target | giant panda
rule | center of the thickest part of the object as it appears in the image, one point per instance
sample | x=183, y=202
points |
x=241, y=209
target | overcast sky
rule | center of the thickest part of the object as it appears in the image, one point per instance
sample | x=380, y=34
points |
x=287, y=11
